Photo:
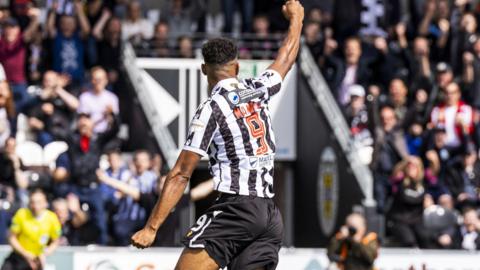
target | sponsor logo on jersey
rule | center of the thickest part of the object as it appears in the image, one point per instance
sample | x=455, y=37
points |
x=234, y=98
x=261, y=161
x=241, y=96
x=253, y=162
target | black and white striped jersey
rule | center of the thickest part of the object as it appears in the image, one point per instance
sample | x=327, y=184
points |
x=233, y=128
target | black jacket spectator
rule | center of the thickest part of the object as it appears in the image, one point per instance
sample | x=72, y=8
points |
x=51, y=115
x=7, y=171
x=407, y=212
x=84, y=152
x=335, y=70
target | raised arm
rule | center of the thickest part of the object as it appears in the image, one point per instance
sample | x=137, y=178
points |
x=70, y=100
x=100, y=25
x=177, y=181
x=82, y=18
x=79, y=216
x=51, y=27
x=287, y=54
x=32, y=27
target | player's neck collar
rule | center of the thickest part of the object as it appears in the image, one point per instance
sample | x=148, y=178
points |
x=225, y=83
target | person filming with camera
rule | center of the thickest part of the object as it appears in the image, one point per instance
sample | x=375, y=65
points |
x=353, y=248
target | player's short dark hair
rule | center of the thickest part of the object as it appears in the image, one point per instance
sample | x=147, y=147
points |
x=219, y=51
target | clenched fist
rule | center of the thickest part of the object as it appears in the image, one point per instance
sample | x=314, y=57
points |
x=144, y=238
x=292, y=9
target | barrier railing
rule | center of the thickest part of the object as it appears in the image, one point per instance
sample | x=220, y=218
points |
x=161, y=133
x=336, y=120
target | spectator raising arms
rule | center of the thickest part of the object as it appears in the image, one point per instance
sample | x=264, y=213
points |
x=108, y=33
x=68, y=42
x=50, y=118
x=71, y=217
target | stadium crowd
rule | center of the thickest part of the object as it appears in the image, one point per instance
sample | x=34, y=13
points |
x=406, y=73
x=61, y=108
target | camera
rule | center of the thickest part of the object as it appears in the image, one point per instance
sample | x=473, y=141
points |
x=352, y=231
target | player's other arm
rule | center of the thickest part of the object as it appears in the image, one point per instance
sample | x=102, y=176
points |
x=175, y=184
x=287, y=54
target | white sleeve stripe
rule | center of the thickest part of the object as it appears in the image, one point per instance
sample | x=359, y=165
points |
x=195, y=150
x=278, y=78
x=201, y=131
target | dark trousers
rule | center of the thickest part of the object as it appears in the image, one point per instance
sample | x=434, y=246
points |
x=20, y=96
x=15, y=262
x=5, y=216
x=381, y=190
x=411, y=235
x=93, y=197
x=44, y=138
x=246, y=8
x=124, y=229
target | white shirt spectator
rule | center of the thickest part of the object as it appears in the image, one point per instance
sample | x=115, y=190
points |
x=348, y=81
x=448, y=117
x=95, y=104
x=469, y=241
x=141, y=27
x=3, y=77
x=4, y=127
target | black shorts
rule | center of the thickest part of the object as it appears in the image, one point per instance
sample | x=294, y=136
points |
x=239, y=232
x=15, y=261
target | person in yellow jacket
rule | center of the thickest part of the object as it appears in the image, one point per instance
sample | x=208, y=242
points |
x=33, y=235
x=353, y=248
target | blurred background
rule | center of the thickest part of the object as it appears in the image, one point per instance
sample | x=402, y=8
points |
x=380, y=117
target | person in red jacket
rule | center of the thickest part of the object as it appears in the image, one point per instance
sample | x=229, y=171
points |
x=13, y=50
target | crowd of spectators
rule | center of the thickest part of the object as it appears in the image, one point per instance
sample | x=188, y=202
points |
x=405, y=74
x=61, y=83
